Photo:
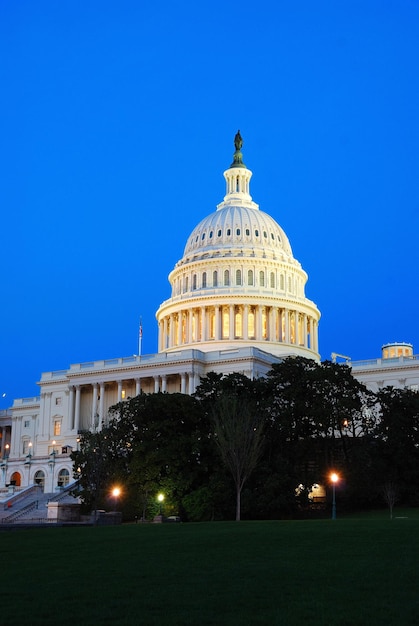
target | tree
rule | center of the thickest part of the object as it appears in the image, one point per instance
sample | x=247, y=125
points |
x=238, y=427
x=318, y=419
x=390, y=494
x=396, y=447
x=159, y=441
x=92, y=467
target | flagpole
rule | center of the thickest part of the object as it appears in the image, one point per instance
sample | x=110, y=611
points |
x=140, y=336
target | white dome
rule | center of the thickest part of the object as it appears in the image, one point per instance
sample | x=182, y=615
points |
x=237, y=283
x=241, y=230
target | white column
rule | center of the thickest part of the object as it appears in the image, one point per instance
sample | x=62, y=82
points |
x=190, y=315
x=297, y=327
x=171, y=331
x=77, y=410
x=137, y=386
x=286, y=314
x=191, y=384
x=101, y=405
x=94, y=405
x=179, y=329
x=183, y=382
x=271, y=324
x=164, y=338
x=163, y=383
x=246, y=321
x=156, y=384
x=203, y=324
x=311, y=327
x=217, y=323
x=71, y=408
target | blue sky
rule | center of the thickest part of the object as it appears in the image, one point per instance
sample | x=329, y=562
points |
x=117, y=121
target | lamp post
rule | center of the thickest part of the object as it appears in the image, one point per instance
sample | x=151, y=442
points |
x=334, y=478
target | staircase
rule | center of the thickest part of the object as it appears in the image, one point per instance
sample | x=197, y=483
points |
x=33, y=509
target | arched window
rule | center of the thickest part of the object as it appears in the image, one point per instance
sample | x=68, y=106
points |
x=194, y=281
x=272, y=280
x=215, y=279
x=186, y=284
x=226, y=278
x=238, y=232
x=250, y=277
x=204, y=280
x=63, y=478
x=262, y=279
x=281, y=282
x=238, y=277
x=228, y=233
x=39, y=478
x=247, y=232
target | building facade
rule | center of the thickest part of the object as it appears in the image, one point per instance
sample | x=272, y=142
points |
x=237, y=304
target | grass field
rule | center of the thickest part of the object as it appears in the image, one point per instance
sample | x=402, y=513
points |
x=345, y=572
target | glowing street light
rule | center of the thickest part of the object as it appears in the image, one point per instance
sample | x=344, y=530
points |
x=335, y=479
x=116, y=492
x=160, y=499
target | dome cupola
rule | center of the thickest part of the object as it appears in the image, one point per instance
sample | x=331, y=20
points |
x=237, y=282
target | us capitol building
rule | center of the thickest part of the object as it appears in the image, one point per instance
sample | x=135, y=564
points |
x=237, y=304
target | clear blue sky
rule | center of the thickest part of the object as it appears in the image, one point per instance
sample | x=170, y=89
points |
x=117, y=122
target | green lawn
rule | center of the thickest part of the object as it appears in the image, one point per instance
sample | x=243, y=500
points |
x=346, y=572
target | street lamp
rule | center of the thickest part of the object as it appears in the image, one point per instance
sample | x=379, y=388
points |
x=160, y=499
x=116, y=492
x=334, y=478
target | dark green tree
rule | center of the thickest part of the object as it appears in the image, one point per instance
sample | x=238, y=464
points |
x=234, y=405
x=92, y=468
x=158, y=441
x=319, y=416
x=396, y=446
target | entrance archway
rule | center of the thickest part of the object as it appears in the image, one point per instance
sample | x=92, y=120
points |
x=15, y=479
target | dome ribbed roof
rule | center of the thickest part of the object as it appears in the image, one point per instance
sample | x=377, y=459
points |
x=238, y=227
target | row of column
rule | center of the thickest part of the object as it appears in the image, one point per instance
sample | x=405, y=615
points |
x=254, y=323
x=188, y=383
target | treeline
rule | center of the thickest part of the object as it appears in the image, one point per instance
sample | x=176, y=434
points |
x=253, y=449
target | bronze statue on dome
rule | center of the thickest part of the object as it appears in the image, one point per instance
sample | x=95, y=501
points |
x=238, y=141
x=238, y=157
